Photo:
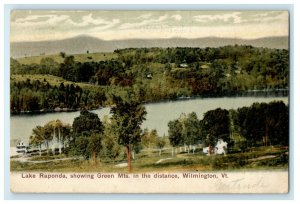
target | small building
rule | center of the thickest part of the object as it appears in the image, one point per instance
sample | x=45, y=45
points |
x=149, y=76
x=22, y=148
x=220, y=148
x=183, y=65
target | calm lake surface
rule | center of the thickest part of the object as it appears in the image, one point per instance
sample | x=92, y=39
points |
x=158, y=114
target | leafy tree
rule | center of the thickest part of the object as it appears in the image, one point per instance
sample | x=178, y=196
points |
x=15, y=66
x=110, y=147
x=149, y=139
x=80, y=145
x=84, y=72
x=265, y=124
x=65, y=135
x=160, y=143
x=277, y=124
x=48, y=66
x=87, y=122
x=145, y=138
x=87, y=133
x=175, y=133
x=66, y=68
x=94, y=145
x=48, y=136
x=216, y=124
x=37, y=137
x=62, y=54
x=127, y=116
x=191, y=130
x=60, y=132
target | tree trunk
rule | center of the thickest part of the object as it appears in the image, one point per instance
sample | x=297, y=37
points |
x=53, y=147
x=159, y=152
x=267, y=135
x=59, y=141
x=40, y=149
x=47, y=147
x=172, y=151
x=128, y=151
x=210, y=149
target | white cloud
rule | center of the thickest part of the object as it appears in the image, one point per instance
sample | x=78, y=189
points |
x=143, y=23
x=222, y=17
x=39, y=20
x=89, y=20
x=279, y=18
x=31, y=18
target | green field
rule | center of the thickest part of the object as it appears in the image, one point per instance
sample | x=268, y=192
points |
x=147, y=161
x=86, y=57
x=53, y=80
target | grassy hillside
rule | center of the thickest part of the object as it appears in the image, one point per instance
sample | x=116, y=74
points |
x=90, y=57
x=53, y=80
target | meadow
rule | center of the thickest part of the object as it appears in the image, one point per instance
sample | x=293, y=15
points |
x=148, y=160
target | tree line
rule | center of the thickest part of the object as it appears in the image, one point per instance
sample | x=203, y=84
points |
x=35, y=96
x=261, y=124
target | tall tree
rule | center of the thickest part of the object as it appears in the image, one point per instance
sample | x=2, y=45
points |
x=128, y=116
x=277, y=124
x=191, y=130
x=87, y=122
x=110, y=147
x=175, y=133
x=87, y=132
x=37, y=137
x=94, y=145
x=264, y=124
x=58, y=133
x=149, y=139
x=48, y=136
x=160, y=143
x=216, y=124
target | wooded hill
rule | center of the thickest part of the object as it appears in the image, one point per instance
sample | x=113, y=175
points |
x=152, y=74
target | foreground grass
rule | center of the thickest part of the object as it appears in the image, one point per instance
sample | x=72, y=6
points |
x=146, y=161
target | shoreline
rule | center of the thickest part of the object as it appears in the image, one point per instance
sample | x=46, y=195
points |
x=250, y=93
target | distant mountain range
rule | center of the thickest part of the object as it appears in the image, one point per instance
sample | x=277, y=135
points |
x=81, y=44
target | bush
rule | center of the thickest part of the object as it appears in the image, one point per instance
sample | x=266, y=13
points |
x=230, y=161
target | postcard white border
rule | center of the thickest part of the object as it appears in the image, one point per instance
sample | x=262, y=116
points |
x=9, y=195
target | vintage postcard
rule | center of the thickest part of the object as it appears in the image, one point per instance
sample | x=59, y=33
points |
x=115, y=101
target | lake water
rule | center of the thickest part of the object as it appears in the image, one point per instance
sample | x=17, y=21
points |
x=158, y=114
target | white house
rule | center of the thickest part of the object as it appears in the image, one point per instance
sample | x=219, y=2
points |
x=220, y=147
x=22, y=147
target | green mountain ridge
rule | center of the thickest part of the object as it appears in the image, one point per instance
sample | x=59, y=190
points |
x=82, y=43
